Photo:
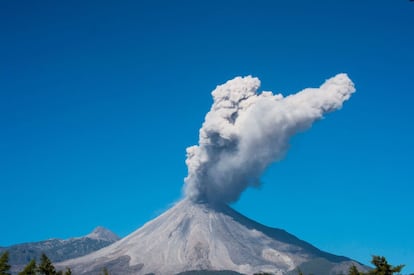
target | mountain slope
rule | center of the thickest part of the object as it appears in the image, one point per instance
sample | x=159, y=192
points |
x=58, y=249
x=195, y=236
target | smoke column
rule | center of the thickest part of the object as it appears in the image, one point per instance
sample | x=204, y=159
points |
x=245, y=131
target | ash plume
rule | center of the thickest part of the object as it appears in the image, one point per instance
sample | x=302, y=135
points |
x=245, y=131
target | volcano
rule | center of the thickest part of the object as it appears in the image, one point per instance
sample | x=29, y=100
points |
x=243, y=133
x=201, y=236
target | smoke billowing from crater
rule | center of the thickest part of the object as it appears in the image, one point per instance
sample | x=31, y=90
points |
x=245, y=131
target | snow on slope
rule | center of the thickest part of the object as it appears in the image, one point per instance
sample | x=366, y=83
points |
x=192, y=236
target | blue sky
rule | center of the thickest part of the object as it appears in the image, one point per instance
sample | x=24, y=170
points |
x=99, y=99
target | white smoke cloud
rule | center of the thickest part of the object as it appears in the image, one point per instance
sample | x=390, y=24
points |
x=246, y=131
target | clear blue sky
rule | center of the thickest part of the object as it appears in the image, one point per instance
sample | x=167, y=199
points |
x=99, y=99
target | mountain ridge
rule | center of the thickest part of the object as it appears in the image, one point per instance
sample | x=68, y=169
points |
x=58, y=249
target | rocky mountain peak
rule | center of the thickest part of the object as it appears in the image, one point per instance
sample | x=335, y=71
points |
x=101, y=233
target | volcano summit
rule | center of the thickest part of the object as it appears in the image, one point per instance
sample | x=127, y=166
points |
x=199, y=236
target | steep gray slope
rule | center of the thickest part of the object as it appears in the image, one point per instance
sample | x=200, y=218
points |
x=58, y=249
x=195, y=236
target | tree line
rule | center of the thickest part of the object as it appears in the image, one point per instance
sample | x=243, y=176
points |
x=45, y=267
x=381, y=267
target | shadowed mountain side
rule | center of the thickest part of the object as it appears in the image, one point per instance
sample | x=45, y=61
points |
x=281, y=235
